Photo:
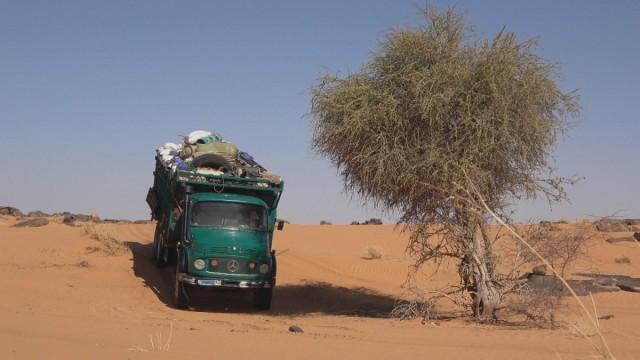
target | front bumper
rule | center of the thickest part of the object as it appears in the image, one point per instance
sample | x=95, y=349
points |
x=201, y=281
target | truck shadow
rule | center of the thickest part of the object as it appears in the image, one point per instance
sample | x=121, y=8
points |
x=310, y=297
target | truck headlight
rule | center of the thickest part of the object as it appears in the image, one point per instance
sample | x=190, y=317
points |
x=264, y=268
x=199, y=264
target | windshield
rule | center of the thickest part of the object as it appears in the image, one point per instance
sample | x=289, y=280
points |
x=228, y=215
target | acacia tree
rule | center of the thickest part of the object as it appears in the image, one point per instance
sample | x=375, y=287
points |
x=439, y=124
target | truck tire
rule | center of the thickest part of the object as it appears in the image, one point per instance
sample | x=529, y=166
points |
x=213, y=161
x=180, y=290
x=171, y=256
x=154, y=244
x=157, y=249
x=262, y=298
x=274, y=264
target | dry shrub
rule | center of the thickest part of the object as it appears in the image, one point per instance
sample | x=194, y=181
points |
x=560, y=248
x=602, y=348
x=108, y=237
x=374, y=253
x=538, y=306
x=415, y=309
x=416, y=303
x=623, y=260
x=325, y=222
x=58, y=219
x=611, y=225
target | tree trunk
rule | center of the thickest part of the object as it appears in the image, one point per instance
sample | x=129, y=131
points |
x=477, y=272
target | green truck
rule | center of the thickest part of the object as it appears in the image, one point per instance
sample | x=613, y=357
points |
x=217, y=229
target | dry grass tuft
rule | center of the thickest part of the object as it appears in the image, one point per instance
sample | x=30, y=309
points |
x=111, y=243
x=157, y=342
x=582, y=328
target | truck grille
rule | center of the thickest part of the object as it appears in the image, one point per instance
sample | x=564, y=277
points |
x=217, y=250
x=222, y=250
x=241, y=266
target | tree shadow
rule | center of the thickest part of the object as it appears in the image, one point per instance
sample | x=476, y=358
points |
x=310, y=297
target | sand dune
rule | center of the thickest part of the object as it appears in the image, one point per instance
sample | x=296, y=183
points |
x=61, y=300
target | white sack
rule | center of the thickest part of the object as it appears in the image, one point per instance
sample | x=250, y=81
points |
x=194, y=136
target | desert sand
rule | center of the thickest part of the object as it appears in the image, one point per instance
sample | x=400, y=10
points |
x=62, y=301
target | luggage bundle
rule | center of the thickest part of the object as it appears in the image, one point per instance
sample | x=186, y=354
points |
x=207, y=153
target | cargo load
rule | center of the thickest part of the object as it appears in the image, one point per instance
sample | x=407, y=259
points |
x=205, y=152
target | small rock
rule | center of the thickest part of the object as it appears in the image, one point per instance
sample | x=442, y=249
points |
x=68, y=219
x=33, y=223
x=83, y=264
x=295, y=329
x=540, y=270
x=606, y=317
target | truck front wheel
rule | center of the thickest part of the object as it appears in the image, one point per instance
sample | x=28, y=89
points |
x=262, y=298
x=180, y=290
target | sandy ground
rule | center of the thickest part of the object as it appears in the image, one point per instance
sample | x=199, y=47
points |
x=117, y=307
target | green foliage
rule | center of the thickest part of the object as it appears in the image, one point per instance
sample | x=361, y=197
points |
x=432, y=108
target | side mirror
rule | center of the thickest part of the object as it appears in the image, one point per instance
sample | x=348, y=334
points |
x=280, y=225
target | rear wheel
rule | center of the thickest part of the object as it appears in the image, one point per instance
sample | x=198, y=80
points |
x=158, y=256
x=262, y=298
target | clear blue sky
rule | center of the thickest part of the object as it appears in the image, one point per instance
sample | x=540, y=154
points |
x=88, y=90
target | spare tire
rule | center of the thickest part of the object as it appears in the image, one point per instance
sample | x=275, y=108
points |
x=213, y=161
